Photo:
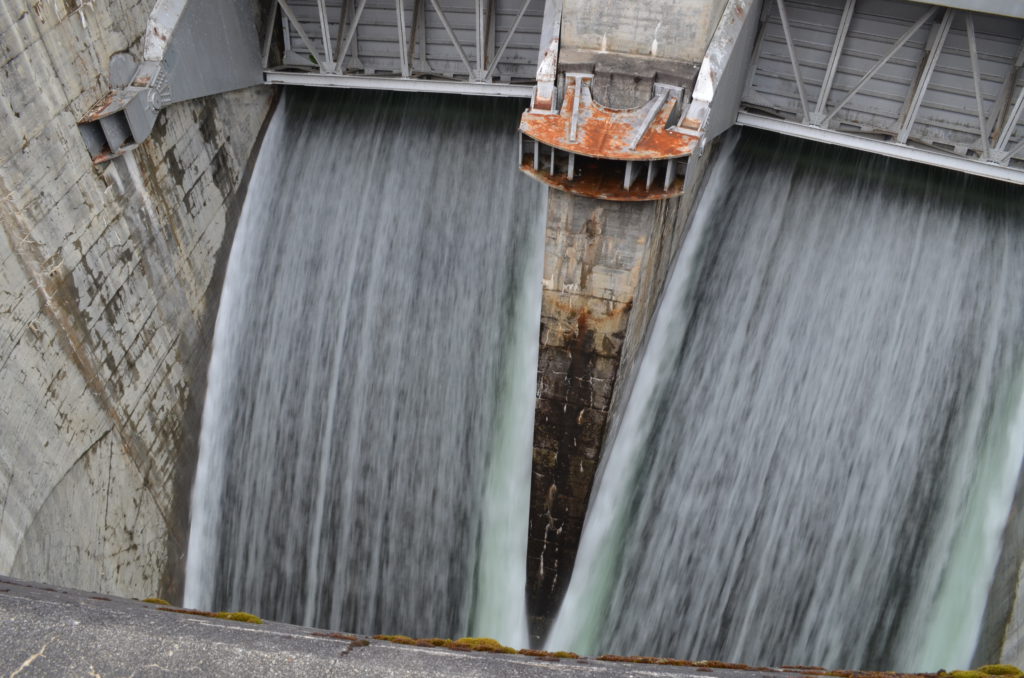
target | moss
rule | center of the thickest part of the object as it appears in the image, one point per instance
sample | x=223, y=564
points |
x=335, y=636
x=544, y=654
x=1000, y=670
x=633, y=660
x=481, y=645
x=239, y=617
x=155, y=601
x=462, y=644
x=401, y=640
x=233, y=616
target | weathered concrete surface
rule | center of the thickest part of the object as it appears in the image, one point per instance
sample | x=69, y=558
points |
x=1002, y=633
x=68, y=633
x=673, y=30
x=604, y=267
x=593, y=264
x=108, y=288
x=673, y=222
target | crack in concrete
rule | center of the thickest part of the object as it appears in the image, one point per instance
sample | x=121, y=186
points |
x=28, y=662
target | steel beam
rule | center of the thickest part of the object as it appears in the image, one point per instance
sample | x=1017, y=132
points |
x=659, y=101
x=1010, y=123
x=417, y=62
x=882, y=62
x=1015, y=151
x=286, y=33
x=343, y=50
x=976, y=76
x=268, y=38
x=508, y=39
x=1006, y=92
x=325, y=32
x=887, y=148
x=479, y=35
x=403, y=45
x=298, y=29
x=451, y=36
x=578, y=92
x=489, y=89
x=818, y=116
x=792, y=57
x=926, y=76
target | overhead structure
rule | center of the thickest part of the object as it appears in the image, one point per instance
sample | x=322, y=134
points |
x=484, y=47
x=600, y=152
x=640, y=153
x=190, y=50
x=930, y=83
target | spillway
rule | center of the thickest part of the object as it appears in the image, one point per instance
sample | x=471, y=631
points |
x=365, y=454
x=821, y=447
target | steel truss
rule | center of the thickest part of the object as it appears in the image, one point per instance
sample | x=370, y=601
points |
x=898, y=78
x=487, y=47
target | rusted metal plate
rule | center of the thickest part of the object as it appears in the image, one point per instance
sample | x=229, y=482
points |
x=585, y=127
x=107, y=156
x=112, y=102
x=596, y=180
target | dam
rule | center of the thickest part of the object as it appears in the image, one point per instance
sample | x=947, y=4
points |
x=679, y=328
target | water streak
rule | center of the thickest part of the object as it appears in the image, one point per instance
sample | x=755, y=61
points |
x=365, y=435
x=832, y=377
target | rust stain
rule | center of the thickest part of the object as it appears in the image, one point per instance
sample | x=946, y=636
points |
x=107, y=156
x=691, y=123
x=99, y=108
x=594, y=181
x=604, y=132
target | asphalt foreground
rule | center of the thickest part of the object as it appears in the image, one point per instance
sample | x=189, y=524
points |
x=46, y=631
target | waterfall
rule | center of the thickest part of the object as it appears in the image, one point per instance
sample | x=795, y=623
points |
x=365, y=453
x=818, y=456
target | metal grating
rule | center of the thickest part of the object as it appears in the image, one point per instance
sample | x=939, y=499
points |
x=475, y=46
x=892, y=73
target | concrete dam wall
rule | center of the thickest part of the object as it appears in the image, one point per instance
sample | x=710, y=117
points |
x=112, y=275
x=110, y=280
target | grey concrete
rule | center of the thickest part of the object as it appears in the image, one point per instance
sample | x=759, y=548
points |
x=675, y=30
x=604, y=266
x=46, y=632
x=108, y=292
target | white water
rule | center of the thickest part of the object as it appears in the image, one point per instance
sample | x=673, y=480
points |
x=365, y=454
x=819, y=454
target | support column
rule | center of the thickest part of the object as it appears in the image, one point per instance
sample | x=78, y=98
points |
x=593, y=256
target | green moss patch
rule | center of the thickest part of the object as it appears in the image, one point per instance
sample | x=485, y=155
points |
x=232, y=616
x=239, y=617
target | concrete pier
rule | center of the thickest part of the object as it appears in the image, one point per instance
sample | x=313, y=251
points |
x=604, y=265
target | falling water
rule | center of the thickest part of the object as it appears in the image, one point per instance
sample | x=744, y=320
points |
x=364, y=459
x=818, y=457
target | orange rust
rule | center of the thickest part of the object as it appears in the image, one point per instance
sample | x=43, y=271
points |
x=594, y=181
x=108, y=155
x=604, y=132
x=99, y=108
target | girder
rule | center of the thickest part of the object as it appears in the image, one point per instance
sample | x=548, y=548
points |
x=930, y=83
x=471, y=46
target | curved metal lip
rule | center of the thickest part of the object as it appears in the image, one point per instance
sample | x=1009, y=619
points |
x=604, y=188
